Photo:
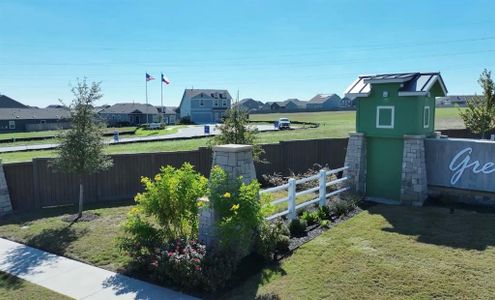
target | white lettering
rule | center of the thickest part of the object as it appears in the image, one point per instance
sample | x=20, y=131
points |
x=461, y=162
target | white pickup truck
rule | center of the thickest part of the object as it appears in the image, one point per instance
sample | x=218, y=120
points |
x=283, y=123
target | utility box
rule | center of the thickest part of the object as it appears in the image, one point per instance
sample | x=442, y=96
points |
x=392, y=109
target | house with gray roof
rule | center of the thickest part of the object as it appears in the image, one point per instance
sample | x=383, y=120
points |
x=169, y=114
x=293, y=104
x=17, y=117
x=7, y=102
x=121, y=114
x=322, y=102
x=250, y=105
x=202, y=106
x=454, y=100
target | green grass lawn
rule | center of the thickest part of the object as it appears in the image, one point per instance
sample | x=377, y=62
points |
x=332, y=125
x=14, y=288
x=51, y=133
x=92, y=242
x=389, y=252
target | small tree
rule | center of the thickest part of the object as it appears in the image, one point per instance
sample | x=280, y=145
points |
x=81, y=147
x=479, y=116
x=235, y=130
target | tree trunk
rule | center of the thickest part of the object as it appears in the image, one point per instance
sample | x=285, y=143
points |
x=81, y=193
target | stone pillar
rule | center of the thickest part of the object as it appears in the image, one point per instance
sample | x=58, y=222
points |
x=235, y=160
x=355, y=159
x=414, y=187
x=5, y=204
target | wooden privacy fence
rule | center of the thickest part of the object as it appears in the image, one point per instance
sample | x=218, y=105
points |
x=292, y=207
x=35, y=184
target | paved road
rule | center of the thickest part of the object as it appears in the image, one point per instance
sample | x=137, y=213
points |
x=186, y=132
x=76, y=279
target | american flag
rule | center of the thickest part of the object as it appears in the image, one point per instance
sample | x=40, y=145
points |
x=165, y=79
x=149, y=77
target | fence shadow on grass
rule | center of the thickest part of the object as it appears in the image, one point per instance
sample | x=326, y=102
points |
x=441, y=225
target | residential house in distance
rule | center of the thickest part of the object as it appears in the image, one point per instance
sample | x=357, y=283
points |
x=249, y=104
x=203, y=106
x=17, y=117
x=322, y=102
x=294, y=104
x=169, y=114
x=347, y=103
x=271, y=106
x=121, y=114
x=453, y=100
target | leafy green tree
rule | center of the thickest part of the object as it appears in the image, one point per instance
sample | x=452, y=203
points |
x=479, y=116
x=235, y=130
x=81, y=147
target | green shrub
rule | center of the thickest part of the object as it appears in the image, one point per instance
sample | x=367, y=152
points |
x=324, y=213
x=166, y=211
x=325, y=223
x=311, y=218
x=298, y=227
x=272, y=239
x=218, y=268
x=239, y=209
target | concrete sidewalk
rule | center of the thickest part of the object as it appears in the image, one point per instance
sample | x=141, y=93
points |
x=75, y=279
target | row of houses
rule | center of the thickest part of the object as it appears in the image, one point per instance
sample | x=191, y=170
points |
x=320, y=102
x=197, y=106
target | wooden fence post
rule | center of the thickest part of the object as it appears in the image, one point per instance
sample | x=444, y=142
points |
x=323, y=187
x=292, y=199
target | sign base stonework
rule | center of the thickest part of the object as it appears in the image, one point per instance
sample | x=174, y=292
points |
x=414, y=184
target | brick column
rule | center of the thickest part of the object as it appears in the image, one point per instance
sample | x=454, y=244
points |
x=355, y=159
x=235, y=160
x=5, y=204
x=414, y=187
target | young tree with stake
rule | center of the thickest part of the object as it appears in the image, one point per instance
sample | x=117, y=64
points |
x=81, y=148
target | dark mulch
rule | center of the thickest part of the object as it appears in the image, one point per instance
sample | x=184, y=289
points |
x=314, y=231
x=86, y=217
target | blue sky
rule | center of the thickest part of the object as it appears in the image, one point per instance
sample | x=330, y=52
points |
x=268, y=50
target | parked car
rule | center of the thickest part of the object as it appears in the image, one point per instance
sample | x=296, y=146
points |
x=283, y=123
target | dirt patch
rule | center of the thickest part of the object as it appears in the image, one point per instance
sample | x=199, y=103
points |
x=86, y=217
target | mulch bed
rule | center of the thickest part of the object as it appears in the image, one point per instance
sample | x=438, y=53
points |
x=314, y=231
x=86, y=217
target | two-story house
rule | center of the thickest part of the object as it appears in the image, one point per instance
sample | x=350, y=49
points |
x=203, y=106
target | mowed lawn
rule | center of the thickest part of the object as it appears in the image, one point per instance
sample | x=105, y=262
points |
x=385, y=252
x=332, y=125
x=14, y=288
x=389, y=252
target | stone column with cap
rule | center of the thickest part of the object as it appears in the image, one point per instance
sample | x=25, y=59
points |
x=355, y=160
x=5, y=204
x=235, y=160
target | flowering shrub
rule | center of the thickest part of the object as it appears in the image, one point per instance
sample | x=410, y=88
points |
x=166, y=211
x=238, y=207
x=179, y=262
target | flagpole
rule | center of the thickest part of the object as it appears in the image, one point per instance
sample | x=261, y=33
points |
x=161, y=95
x=146, y=83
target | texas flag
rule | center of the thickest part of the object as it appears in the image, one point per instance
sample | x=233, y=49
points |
x=165, y=79
x=149, y=77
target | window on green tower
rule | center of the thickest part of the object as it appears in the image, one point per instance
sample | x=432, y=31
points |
x=385, y=117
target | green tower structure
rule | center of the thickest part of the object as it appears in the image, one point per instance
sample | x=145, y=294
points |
x=395, y=112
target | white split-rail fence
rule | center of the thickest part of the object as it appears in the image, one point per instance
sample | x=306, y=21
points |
x=292, y=207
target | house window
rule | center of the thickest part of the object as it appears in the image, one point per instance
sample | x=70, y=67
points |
x=385, y=117
x=224, y=103
x=426, y=117
x=43, y=121
x=11, y=124
x=216, y=103
x=201, y=102
x=221, y=96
